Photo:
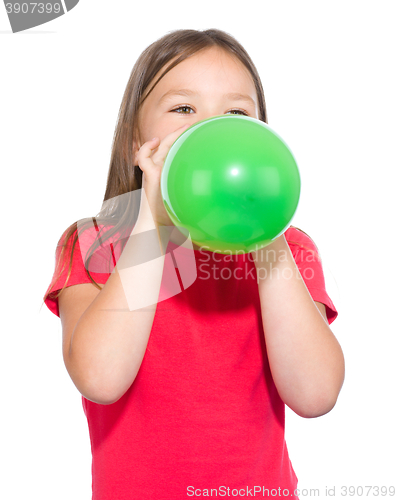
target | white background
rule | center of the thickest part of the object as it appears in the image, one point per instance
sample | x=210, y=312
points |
x=329, y=76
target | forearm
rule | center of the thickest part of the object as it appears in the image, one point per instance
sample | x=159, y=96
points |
x=305, y=358
x=110, y=339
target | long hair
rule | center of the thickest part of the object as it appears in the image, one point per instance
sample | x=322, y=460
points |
x=118, y=212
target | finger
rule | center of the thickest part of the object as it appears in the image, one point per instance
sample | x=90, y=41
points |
x=146, y=150
x=168, y=141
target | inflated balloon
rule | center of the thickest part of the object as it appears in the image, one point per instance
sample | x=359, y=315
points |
x=232, y=183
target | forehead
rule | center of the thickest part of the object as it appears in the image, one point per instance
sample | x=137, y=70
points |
x=210, y=67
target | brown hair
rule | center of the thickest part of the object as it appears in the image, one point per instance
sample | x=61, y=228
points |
x=124, y=176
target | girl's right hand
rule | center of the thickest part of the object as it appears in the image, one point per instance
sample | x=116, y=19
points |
x=150, y=159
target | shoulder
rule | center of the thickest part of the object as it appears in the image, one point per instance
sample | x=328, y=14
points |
x=309, y=263
x=83, y=255
x=296, y=238
x=83, y=247
x=82, y=234
x=296, y=235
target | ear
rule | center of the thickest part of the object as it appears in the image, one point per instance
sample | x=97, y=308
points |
x=127, y=131
x=135, y=148
x=136, y=145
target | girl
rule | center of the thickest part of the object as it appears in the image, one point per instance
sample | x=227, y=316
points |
x=186, y=398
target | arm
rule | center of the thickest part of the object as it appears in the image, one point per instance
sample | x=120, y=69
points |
x=305, y=359
x=105, y=333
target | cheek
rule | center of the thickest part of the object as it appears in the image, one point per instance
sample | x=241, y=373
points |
x=151, y=126
x=164, y=125
x=161, y=124
x=146, y=124
x=144, y=132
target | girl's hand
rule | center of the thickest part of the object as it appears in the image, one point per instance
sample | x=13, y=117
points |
x=150, y=159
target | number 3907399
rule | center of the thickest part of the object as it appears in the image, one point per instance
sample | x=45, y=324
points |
x=31, y=7
x=368, y=491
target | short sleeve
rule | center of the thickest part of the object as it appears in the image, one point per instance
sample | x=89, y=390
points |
x=308, y=261
x=78, y=273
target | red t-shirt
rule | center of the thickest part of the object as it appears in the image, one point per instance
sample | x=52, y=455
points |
x=203, y=412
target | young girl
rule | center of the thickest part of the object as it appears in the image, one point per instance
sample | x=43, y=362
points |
x=185, y=397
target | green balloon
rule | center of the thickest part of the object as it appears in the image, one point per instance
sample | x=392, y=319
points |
x=232, y=183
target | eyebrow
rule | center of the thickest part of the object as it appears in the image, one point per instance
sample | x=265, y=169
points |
x=234, y=96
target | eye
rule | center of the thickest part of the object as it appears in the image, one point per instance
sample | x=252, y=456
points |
x=238, y=111
x=182, y=107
